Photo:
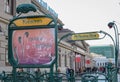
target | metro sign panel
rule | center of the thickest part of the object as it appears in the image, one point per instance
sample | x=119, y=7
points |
x=85, y=36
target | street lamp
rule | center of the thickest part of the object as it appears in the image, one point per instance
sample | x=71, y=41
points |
x=115, y=40
x=113, y=25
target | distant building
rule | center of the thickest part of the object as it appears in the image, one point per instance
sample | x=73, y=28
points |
x=107, y=50
x=100, y=60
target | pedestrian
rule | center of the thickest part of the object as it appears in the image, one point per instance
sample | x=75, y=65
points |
x=71, y=72
x=37, y=71
x=20, y=71
x=59, y=76
x=37, y=74
x=68, y=73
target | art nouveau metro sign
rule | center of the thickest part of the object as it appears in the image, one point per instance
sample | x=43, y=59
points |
x=32, y=41
x=85, y=36
x=32, y=21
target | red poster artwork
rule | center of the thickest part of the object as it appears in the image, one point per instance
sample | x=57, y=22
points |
x=77, y=58
x=36, y=46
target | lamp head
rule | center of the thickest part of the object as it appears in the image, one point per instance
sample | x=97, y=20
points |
x=25, y=8
x=111, y=24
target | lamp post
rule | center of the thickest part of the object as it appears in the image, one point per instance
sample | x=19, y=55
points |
x=113, y=25
x=112, y=72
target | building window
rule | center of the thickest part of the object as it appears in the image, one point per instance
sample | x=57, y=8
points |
x=0, y=28
x=10, y=6
x=65, y=60
x=7, y=6
x=59, y=62
x=6, y=57
x=98, y=64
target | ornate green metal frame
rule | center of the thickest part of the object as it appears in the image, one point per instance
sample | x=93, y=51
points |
x=13, y=27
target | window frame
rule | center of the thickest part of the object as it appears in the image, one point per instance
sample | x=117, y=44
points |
x=10, y=7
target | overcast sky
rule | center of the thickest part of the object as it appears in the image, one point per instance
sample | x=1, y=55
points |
x=87, y=15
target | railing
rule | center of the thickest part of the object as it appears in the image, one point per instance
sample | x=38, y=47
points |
x=108, y=76
x=57, y=77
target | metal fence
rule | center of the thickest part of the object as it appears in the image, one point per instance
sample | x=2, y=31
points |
x=56, y=77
